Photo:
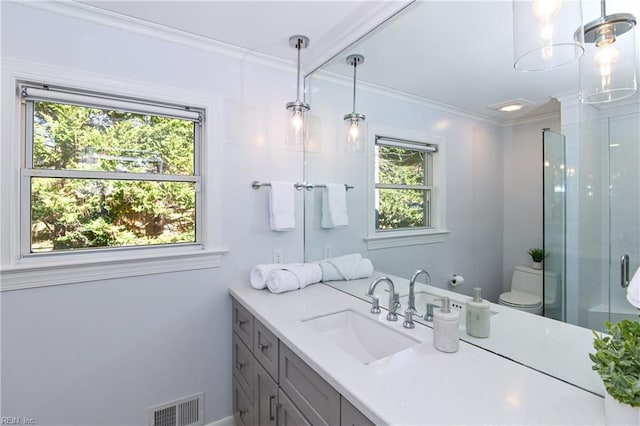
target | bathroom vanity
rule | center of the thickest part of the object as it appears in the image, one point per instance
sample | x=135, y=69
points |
x=290, y=367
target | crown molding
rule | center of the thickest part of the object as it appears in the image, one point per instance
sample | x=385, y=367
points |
x=369, y=17
x=377, y=89
x=88, y=13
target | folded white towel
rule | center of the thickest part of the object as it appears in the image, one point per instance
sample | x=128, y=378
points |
x=259, y=273
x=633, y=291
x=282, y=215
x=334, y=206
x=293, y=277
x=348, y=267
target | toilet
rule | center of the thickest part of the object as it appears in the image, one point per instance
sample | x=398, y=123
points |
x=527, y=289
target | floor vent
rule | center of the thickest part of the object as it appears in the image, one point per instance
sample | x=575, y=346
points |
x=187, y=411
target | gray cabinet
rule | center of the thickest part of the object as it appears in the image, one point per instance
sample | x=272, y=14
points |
x=351, y=416
x=316, y=399
x=289, y=415
x=265, y=400
x=272, y=386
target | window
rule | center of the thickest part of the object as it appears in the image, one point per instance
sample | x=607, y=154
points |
x=406, y=187
x=403, y=183
x=107, y=172
x=105, y=178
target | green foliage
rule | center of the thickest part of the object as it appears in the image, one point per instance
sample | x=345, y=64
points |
x=537, y=254
x=401, y=208
x=88, y=212
x=617, y=360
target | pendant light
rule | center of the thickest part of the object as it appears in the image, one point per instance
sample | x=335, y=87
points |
x=542, y=34
x=608, y=66
x=355, y=126
x=297, y=110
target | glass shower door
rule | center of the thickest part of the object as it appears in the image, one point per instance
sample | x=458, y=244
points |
x=554, y=223
x=624, y=210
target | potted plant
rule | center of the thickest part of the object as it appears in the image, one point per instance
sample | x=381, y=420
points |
x=537, y=256
x=617, y=361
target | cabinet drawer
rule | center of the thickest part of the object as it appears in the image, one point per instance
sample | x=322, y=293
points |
x=314, y=397
x=351, y=416
x=243, y=323
x=242, y=408
x=243, y=365
x=288, y=414
x=265, y=399
x=265, y=348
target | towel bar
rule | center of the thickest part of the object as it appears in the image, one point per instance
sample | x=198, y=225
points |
x=256, y=184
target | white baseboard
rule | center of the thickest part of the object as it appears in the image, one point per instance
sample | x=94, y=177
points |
x=226, y=421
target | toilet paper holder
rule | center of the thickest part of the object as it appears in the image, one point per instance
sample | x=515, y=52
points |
x=456, y=280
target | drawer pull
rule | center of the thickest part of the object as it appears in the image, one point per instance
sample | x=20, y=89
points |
x=241, y=323
x=241, y=365
x=263, y=346
x=242, y=412
x=272, y=408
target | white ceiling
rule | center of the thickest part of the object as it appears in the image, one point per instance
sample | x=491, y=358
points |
x=454, y=52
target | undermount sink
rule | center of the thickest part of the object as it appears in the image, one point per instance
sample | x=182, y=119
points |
x=424, y=297
x=361, y=336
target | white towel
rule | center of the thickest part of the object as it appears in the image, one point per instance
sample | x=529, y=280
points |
x=282, y=216
x=633, y=291
x=334, y=206
x=293, y=277
x=259, y=273
x=348, y=267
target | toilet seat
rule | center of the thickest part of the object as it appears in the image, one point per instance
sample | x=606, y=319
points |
x=518, y=299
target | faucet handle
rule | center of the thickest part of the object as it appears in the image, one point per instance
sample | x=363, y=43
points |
x=428, y=316
x=408, y=319
x=375, y=304
x=393, y=309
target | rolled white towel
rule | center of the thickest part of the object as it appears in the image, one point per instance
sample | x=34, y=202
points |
x=348, y=267
x=293, y=277
x=259, y=273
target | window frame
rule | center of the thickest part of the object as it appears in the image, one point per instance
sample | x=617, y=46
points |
x=58, y=95
x=21, y=270
x=436, y=232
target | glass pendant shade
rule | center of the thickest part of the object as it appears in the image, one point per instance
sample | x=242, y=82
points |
x=355, y=130
x=543, y=36
x=608, y=66
x=297, y=122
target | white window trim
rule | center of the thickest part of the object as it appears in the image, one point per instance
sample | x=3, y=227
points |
x=18, y=272
x=407, y=237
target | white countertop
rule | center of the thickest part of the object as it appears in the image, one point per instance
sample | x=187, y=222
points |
x=553, y=347
x=420, y=385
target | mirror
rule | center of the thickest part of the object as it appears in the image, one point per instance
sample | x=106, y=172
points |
x=431, y=74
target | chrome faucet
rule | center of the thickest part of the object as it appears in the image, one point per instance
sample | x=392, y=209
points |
x=394, y=298
x=412, y=282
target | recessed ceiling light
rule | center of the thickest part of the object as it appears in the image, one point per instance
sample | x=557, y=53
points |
x=511, y=108
x=512, y=105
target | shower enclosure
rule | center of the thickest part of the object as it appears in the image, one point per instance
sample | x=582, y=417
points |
x=591, y=219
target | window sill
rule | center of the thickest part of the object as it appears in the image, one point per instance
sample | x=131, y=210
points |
x=48, y=272
x=405, y=238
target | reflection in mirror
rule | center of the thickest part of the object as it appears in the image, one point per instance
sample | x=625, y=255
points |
x=501, y=185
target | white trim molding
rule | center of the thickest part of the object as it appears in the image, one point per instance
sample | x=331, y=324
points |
x=18, y=272
x=405, y=238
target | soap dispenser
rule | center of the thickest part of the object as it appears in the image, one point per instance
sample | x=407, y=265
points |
x=445, y=327
x=478, y=318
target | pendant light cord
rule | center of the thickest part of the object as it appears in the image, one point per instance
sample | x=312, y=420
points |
x=298, y=45
x=603, y=8
x=355, y=65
